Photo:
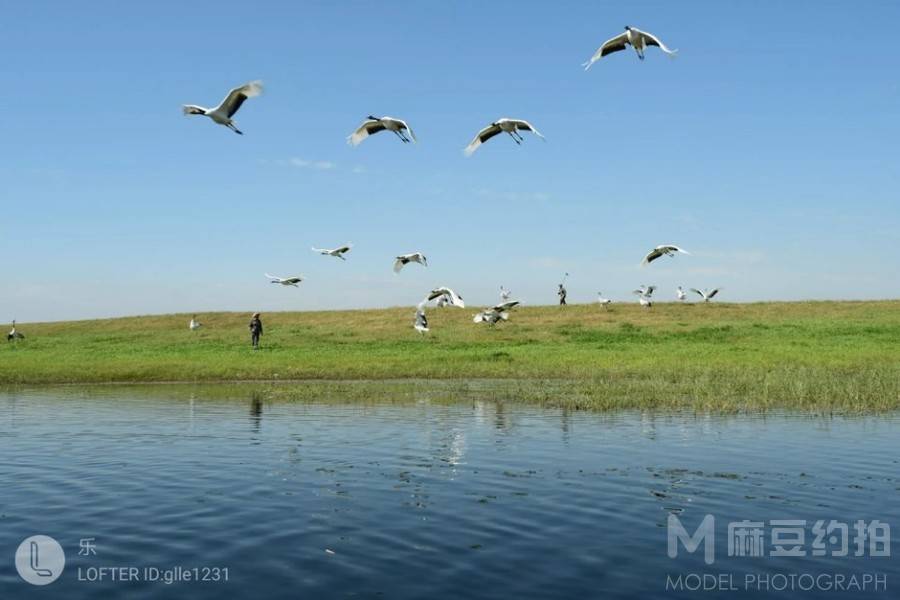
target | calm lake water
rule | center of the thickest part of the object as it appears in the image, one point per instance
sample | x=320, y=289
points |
x=428, y=500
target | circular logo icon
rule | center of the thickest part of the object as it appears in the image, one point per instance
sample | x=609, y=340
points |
x=40, y=560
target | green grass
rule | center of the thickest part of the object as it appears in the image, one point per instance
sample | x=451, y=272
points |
x=802, y=355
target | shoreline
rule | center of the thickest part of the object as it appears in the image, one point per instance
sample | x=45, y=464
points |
x=717, y=356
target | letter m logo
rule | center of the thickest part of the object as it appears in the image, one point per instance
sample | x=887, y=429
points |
x=705, y=535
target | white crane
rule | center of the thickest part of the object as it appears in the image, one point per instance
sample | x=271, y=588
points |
x=645, y=290
x=445, y=295
x=285, y=280
x=504, y=294
x=707, y=295
x=421, y=322
x=510, y=126
x=404, y=259
x=496, y=313
x=644, y=294
x=604, y=302
x=639, y=40
x=223, y=113
x=662, y=250
x=194, y=325
x=680, y=294
x=336, y=252
x=373, y=125
x=13, y=334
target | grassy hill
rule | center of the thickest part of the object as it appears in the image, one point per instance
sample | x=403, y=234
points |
x=838, y=355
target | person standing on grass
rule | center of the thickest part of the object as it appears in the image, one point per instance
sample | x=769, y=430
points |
x=562, y=295
x=256, y=330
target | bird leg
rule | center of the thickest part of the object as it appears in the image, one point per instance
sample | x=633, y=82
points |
x=235, y=129
x=401, y=136
x=513, y=137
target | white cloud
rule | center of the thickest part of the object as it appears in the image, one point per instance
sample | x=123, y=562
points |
x=318, y=165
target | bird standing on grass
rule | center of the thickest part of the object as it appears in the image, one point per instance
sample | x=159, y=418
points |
x=680, y=294
x=373, y=125
x=293, y=281
x=13, y=334
x=604, y=302
x=223, y=113
x=504, y=294
x=194, y=325
x=663, y=250
x=404, y=259
x=336, y=252
x=510, y=126
x=639, y=40
x=707, y=295
x=421, y=321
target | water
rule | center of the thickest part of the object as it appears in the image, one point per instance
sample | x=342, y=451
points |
x=422, y=500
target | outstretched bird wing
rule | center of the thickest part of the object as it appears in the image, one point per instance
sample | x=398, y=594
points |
x=713, y=293
x=652, y=40
x=505, y=306
x=609, y=46
x=369, y=127
x=398, y=264
x=651, y=256
x=482, y=136
x=236, y=97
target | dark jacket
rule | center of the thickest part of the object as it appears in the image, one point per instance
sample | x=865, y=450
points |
x=256, y=327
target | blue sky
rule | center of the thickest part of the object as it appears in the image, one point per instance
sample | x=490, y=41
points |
x=768, y=148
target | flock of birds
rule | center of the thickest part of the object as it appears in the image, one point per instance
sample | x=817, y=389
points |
x=444, y=296
x=224, y=113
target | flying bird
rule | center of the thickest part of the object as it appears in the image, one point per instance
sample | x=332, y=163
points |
x=496, y=313
x=504, y=294
x=194, y=325
x=663, y=250
x=604, y=302
x=373, y=125
x=404, y=259
x=285, y=280
x=421, y=322
x=447, y=295
x=336, y=252
x=707, y=295
x=13, y=334
x=639, y=40
x=223, y=113
x=645, y=291
x=680, y=294
x=510, y=126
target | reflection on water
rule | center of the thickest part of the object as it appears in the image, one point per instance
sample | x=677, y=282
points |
x=417, y=499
